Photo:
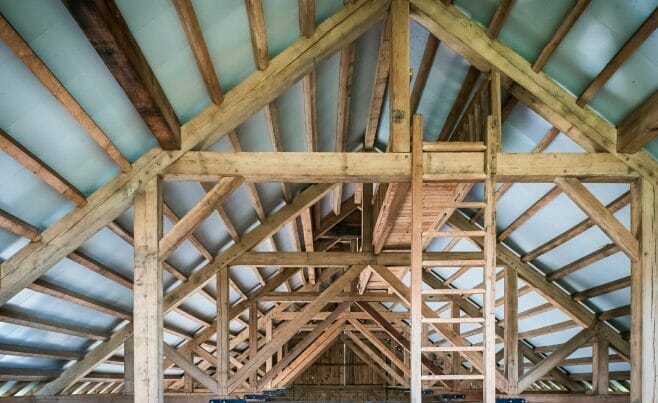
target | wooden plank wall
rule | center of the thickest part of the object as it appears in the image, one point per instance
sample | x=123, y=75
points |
x=330, y=369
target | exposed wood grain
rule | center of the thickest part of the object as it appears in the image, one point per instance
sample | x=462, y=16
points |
x=626, y=51
x=379, y=86
x=19, y=227
x=640, y=127
x=465, y=90
x=258, y=34
x=44, y=172
x=104, y=26
x=431, y=46
x=499, y=17
x=22, y=50
x=194, y=35
x=567, y=22
x=400, y=116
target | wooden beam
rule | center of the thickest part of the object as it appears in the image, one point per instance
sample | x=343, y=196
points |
x=19, y=227
x=302, y=345
x=584, y=261
x=258, y=34
x=531, y=211
x=600, y=360
x=552, y=293
x=381, y=347
x=567, y=22
x=511, y=326
x=465, y=90
x=190, y=368
x=147, y=294
x=640, y=127
x=649, y=291
x=374, y=356
x=307, y=17
x=542, y=368
x=574, y=231
x=400, y=136
x=374, y=364
x=194, y=35
x=345, y=71
x=44, y=172
x=551, y=101
x=300, y=167
x=46, y=353
x=379, y=86
x=636, y=40
x=416, y=300
x=431, y=46
x=600, y=215
x=16, y=317
x=102, y=23
x=190, y=221
x=129, y=367
x=253, y=340
x=23, y=51
x=285, y=332
x=240, y=103
x=499, y=17
x=602, y=289
x=223, y=332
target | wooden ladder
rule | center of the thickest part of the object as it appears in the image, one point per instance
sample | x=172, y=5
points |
x=487, y=365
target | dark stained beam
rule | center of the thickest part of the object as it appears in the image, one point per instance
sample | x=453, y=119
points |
x=102, y=23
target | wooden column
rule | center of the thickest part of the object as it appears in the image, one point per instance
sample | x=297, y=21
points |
x=253, y=340
x=649, y=264
x=416, y=258
x=636, y=297
x=400, y=97
x=511, y=328
x=455, y=359
x=223, y=316
x=489, y=314
x=128, y=367
x=268, y=339
x=600, y=360
x=147, y=294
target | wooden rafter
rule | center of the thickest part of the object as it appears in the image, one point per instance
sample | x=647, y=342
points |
x=240, y=103
x=102, y=23
x=640, y=126
x=19, y=227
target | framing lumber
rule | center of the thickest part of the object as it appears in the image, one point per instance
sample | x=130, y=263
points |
x=379, y=86
x=366, y=359
x=640, y=127
x=542, y=368
x=205, y=129
x=147, y=294
x=307, y=17
x=465, y=90
x=285, y=332
x=194, y=35
x=190, y=368
x=511, y=328
x=302, y=345
x=649, y=309
x=258, y=34
x=499, y=17
x=391, y=371
x=584, y=261
x=400, y=136
x=16, y=317
x=549, y=291
x=577, y=229
x=600, y=361
x=634, y=42
x=19, y=227
x=108, y=33
x=345, y=70
x=44, y=172
x=129, y=367
x=546, y=97
x=599, y=215
x=602, y=289
x=193, y=218
x=431, y=46
x=23, y=51
x=394, y=168
x=531, y=211
x=223, y=334
x=567, y=23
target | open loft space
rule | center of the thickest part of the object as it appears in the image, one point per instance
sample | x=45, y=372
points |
x=328, y=200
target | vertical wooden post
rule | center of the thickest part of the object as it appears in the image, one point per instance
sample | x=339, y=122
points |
x=511, y=329
x=128, y=367
x=188, y=382
x=416, y=258
x=600, y=359
x=222, y=331
x=268, y=338
x=636, y=297
x=366, y=217
x=400, y=96
x=493, y=145
x=649, y=263
x=147, y=294
x=253, y=339
x=455, y=360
